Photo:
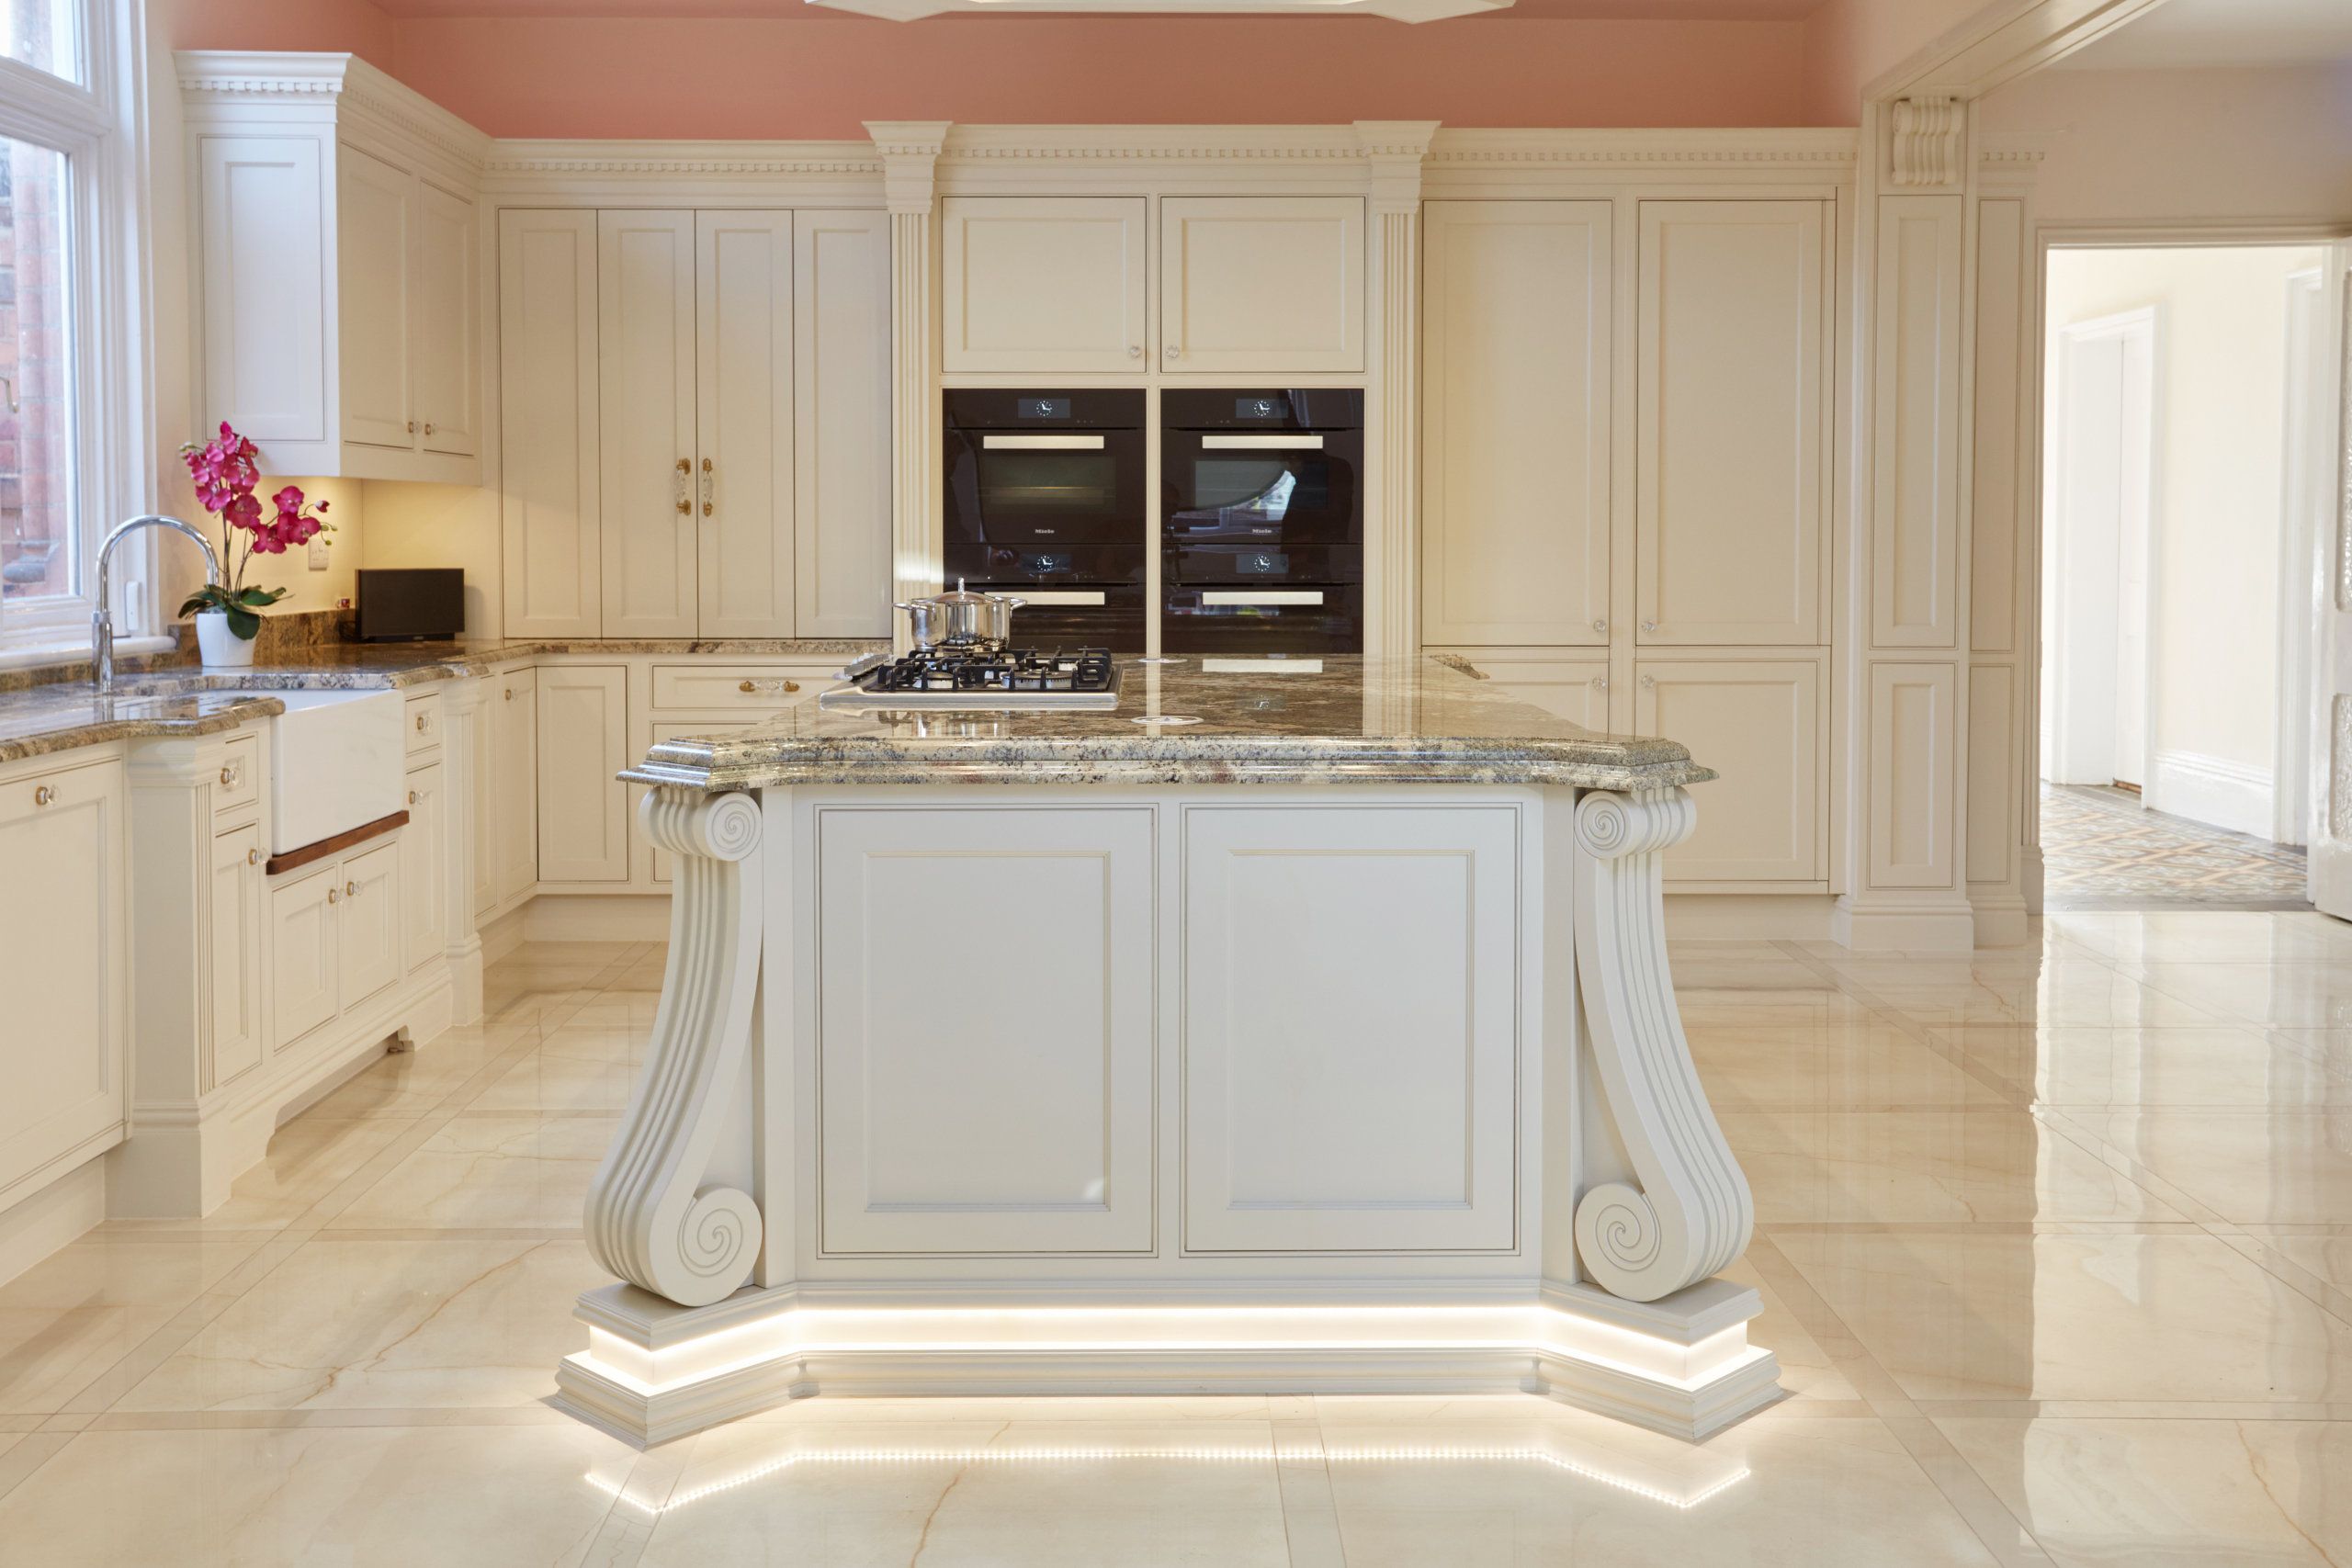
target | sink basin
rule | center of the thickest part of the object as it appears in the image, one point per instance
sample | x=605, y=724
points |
x=335, y=761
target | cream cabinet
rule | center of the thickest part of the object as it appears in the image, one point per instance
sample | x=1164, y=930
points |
x=696, y=417
x=424, y=868
x=335, y=234
x=368, y=946
x=1261, y=285
x=583, y=811
x=483, y=797
x=1758, y=724
x=513, y=822
x=304, y=973
x=1573, y=689
x=1731, y=444
x=1042, y=285
x=64, y=968
x=234, y=918
x=1516, y=394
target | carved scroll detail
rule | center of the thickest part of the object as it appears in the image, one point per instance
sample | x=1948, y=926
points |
x=1691, y=1213
x=650, y=1219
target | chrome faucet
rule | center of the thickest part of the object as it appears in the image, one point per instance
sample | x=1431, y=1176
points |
x=102, y=618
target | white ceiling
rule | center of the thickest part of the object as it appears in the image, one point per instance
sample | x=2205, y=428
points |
x=2224, y=33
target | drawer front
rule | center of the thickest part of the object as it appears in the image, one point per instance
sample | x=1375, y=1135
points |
x=423, y=724
x=765, y=687
x=238, y=784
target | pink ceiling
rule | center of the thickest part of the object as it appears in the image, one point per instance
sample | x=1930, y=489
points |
x=1547, y=10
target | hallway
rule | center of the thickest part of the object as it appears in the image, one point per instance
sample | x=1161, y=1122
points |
x=2102, y=849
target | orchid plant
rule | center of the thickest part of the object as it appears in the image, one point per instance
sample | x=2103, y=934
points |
x=226, y=476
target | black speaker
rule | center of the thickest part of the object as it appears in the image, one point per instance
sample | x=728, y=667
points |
x=409, y=604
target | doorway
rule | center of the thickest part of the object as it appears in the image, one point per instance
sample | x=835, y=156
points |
x=2179, y=409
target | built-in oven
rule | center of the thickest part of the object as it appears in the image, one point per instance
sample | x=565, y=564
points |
x=1045, y=500
x=1261, y=521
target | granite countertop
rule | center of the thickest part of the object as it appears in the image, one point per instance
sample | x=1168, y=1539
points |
x=162, y=699
x=1333, y=721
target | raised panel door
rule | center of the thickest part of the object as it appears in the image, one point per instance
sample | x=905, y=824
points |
x=1573, y=689
x=1043, y=285
x=996, y=1130
x=1729, y=445
x=1350, y=1029
x=744, y=486
x=583, y=812
x=1758, y=724
x=425, y=876
x=842, y=402
x=550, y=499
x=515, y=805
x=265, y=358
x=303, y=970
x=486, y=796
x=1261, y=285
x=63, y=963
x=447, y=307
x=233, y=931
x=376, y=246
x=369, y=921
x=1515, y=423
x=645, y=289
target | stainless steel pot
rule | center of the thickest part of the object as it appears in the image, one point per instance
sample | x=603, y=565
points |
x=962, y=616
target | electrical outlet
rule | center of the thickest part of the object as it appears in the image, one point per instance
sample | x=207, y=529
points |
x=318, y=553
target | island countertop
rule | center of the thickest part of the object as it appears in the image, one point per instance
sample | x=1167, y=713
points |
x=1333, y=720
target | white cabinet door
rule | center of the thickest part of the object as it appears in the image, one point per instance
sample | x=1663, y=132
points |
x=1730, y=443
x=62, y=965
x=265, y=361
x=234, y=931
x=584, y=740
x=997, y=1130
x=549, y=500
x=514, y=781
x=1261, y=285
x=486, y=796
x=742, y=505
x=424, y=875
x=1350, y=1029
x=842, y=462
x=303, y=970
x=1573, y=689
x=1515, y=436
x=447, y=308
x=369, y=922
x=375, y=242
x=1757, y=723
x=1051, y=285
x=645, y=288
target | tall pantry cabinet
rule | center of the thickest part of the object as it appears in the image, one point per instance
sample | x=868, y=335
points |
x=696, y=429
x=1625, y=489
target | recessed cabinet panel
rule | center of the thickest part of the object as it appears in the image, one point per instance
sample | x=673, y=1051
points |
x=987, y=1131
x=645, y=284
x=424, y=896
x=265, y=299
x=842, y=458
x=303, y=972
x=583, y=742
x=448, y=399
x=234, y=931
x=367, y=940
x=1261, y=285
x=1051, y=285
x=743, y=488
x=514, y=819
x=1729, y=445
x=1515, y=434
x=484, y=739
x=1350, y=1035
x=377, y=204
x=1573, y=689
x=63, y=938
x=550, y=493
x=1757, y=722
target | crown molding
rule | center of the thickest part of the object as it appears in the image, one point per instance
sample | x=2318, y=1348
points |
x=533, y=156
x=1831, y=148
x=2008, y=149
x=1151, y=143
x=225, y=78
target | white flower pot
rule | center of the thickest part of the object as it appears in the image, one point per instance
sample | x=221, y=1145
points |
x=222, y=648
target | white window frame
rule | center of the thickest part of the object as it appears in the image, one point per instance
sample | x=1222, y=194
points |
x=100, y=128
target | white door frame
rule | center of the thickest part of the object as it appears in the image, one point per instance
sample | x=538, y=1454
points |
x=2303, y=494
x=2070, y=723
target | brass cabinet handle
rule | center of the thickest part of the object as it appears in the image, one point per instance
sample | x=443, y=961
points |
x=783, y=685
x=44, y=795
x=707, y=482
x=685, y=469
x=252, y=857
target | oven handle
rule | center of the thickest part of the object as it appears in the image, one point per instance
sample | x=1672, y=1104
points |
x=1063, y=596
x=1042, y=443
x=1262, y=596
x=1262, y=443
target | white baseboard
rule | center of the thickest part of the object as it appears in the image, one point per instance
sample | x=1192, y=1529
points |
x=54, y=1216
x=2212, y=790
x=1925, y=924
x=1749, y=917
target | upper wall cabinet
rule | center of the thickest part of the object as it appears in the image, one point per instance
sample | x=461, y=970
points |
x=1731, y=444
x=336, y=245
x=1261, y=284
x=1053, y=285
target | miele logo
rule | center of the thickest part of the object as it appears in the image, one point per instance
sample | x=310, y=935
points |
x=1045, y=530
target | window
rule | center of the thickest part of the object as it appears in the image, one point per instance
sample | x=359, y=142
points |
x=71, y=386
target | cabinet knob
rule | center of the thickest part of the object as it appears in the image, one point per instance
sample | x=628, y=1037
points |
x=424, y=722
x=252, y=857
x=230, y=774
x=412, y=797
x=351, y=890
x=1601, y=625
x=1135, y=351
x=1173, y=351
x=1600, y=682
x=1649, y=681
x=510, y=693
x=411, y=427
x=44, y=795
x=334, y=894
x=428, y=427
x=1649, y=625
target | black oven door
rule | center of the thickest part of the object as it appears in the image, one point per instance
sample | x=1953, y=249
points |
x=1048, y=475
x=1247, y=506
x=1245, y=621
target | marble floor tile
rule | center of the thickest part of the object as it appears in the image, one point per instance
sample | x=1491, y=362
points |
x=2285, y=995
x=2201, y=937
x=309, y=1157
x=1853, y=1064
x=2241, y=1066
x=2117, y=1317
x=2156, y=1493
x=2324, y=1252
x=69, y=1318
x=524, y=1170
x=550, y=1080
x=2251, y=1167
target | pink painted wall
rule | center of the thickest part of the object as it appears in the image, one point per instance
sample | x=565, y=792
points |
x=1850, y=43
x=351, y=27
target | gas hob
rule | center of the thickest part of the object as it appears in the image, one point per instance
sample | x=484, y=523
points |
x=981, y=677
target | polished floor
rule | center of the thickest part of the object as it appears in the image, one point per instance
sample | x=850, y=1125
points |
x=2102, y=848
x=2055, y=1242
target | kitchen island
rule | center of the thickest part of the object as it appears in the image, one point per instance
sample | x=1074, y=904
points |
x=1293, y=1026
